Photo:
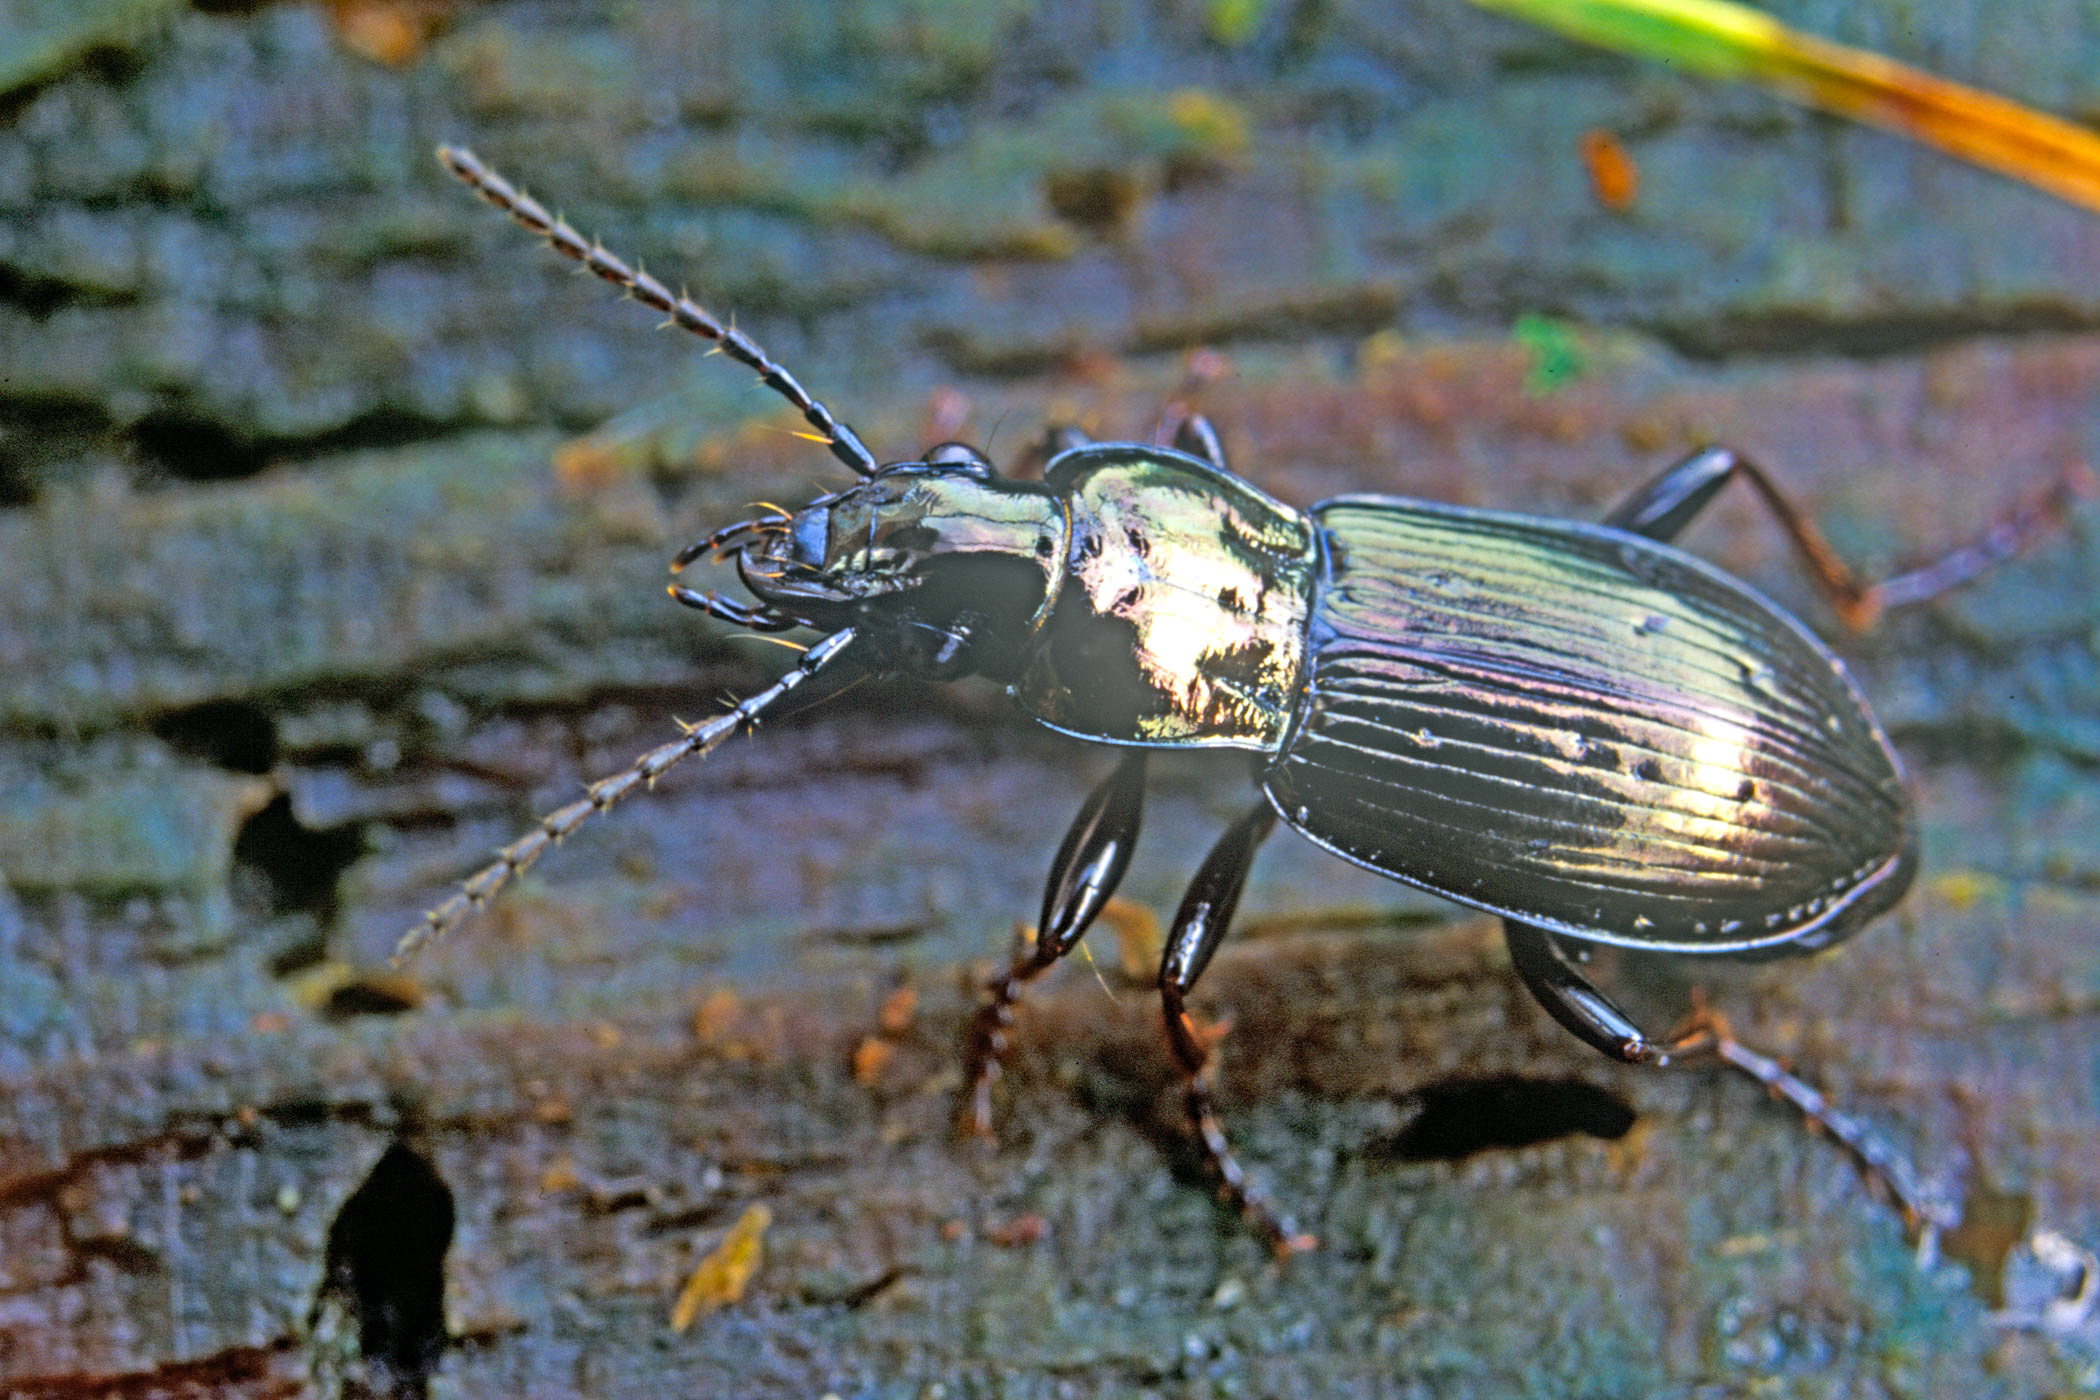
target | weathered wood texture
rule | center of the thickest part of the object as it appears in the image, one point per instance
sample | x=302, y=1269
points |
x=322, y=570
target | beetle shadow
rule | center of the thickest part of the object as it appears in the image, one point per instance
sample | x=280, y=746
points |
x=1131, y=1079
x=1460, y=1117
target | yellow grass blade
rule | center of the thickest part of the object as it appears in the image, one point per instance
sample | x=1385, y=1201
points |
x=1723, y=40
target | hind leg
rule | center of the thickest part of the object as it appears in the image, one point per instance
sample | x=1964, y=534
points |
x=1552, y=974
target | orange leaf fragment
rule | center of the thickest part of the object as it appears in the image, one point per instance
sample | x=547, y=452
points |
x=870, y=1057
x=1614, y=178
x=898, y=1008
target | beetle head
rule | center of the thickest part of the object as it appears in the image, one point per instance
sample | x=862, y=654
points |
x=953, y=564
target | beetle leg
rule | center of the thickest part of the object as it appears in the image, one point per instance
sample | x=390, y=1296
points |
x=1552, y=974
x=1039, y=451
x=1093, y=856
x=1205, y=913
x=1925, y=1213
x=1062, y=437
x=1090, y=864
x=1667, y=504
x=730, y=536
x=1199, y=438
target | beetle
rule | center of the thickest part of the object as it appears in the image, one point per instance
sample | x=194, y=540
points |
x=1576, y=727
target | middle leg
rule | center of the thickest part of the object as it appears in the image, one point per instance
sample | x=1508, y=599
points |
x=1205, y=913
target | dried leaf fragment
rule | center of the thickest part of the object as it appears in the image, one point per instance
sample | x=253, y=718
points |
x=725, y=1271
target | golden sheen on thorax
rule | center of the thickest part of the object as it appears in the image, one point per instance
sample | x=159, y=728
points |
x=1181, y=618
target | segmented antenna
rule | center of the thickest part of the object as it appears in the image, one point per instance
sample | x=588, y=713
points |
x=845, y=444
x=516, y=858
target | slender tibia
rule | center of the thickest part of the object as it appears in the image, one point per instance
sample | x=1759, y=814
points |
x=1924, y=1215
x=1667, y=504
x=986, y=1039
x=1192, y=1053
x=1089, y=866
x=2010, y=535
x=845, y=444
x=1199, y=926
x=516, y=858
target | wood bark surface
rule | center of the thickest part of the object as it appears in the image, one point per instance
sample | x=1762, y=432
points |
x=333, y=516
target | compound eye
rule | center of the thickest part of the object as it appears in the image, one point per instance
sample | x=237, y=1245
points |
x=811, y=538
x=962, y=456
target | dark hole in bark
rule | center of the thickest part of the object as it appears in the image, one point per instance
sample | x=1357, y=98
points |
x=17, y=487
x=367, y=998
x=226, y=733
x=191, y=447
x=385, y=1268
x=297, y=868
x=44, y=441
x=1097, y=198
x=188, y=444
x=37, y=296
x=1460, y=1117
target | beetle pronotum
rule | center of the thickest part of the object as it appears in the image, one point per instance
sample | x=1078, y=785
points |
x=1576, y=727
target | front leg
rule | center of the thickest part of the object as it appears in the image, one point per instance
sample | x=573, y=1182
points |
x=1090, y=864
x=1198, y=437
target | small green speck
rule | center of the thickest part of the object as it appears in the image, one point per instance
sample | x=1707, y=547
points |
x=1557, y=356
x=1233, y=22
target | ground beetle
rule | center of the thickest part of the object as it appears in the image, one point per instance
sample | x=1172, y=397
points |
x=1576, y=727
